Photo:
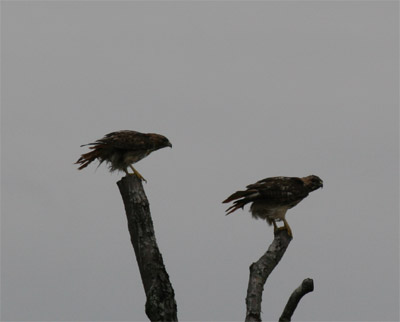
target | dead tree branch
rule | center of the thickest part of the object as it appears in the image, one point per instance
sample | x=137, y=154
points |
x=306, y=286
x=259, y=272
x=160, y=304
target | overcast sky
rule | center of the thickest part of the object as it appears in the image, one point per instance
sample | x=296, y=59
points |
x=244, y=90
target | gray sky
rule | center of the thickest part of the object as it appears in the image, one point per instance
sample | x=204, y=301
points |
x=243, y=90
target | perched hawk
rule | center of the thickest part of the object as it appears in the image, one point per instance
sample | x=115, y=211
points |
x=272, y=197
x=123, y=148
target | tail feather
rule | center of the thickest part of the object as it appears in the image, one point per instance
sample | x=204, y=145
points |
x=236, y=205
x=92, y=147
x=234, y=196
x=246, y=195
x=87, y=158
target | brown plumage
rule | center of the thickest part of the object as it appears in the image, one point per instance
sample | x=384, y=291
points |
x=272, y=197
x=122, y=149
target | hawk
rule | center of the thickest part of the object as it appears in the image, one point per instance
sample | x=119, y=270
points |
x=272, y=197
x=123, y=148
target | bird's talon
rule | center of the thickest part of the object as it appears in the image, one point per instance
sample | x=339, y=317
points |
x=289, y=231
x=137, y=174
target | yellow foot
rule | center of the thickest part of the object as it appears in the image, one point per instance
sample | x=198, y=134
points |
x=136, y=173
x=289, y=231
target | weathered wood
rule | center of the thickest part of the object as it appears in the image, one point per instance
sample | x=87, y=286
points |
x=160, y=304
x=259, y=272
x=305, y=287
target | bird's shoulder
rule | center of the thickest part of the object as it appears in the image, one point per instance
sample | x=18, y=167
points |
x=280, y=190
x=277, y=183
x=126, y=139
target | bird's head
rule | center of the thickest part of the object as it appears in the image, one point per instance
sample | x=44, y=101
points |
x=160, y=141
x=313, y=182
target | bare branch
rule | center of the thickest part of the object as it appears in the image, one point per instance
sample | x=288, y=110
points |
x=306, y=286
x=160, y=304
x=259, y=272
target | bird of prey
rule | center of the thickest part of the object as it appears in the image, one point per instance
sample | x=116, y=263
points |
x=272, y=197
x=123, y=148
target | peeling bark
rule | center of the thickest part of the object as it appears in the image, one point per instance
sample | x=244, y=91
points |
x=160, y=304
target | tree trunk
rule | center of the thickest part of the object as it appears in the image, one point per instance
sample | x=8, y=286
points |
x=160, y=304
x=259, y=272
